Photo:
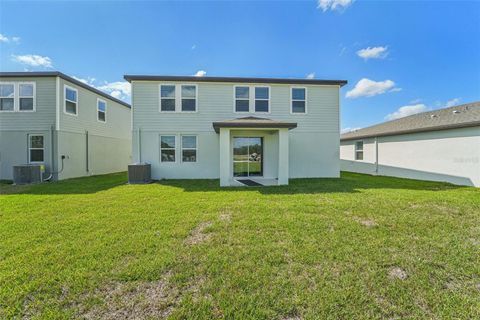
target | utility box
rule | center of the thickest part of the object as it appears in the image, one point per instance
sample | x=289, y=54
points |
x=27, y=174
x=139, y=173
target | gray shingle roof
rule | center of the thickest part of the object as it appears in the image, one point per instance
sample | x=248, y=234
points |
x=253, y=122
x=465, y=115
x=131, y=78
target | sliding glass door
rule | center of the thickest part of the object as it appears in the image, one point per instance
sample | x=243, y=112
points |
x=247, y=157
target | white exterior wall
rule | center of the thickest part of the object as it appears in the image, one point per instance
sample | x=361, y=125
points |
x=447, y=155
x=313, y=145
x=109, y=143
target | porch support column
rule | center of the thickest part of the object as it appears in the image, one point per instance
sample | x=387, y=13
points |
x=225, y=160
x=283, y=156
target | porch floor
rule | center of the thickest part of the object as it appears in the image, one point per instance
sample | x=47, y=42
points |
x=262, y=181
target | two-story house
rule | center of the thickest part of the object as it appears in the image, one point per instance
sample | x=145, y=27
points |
x=69, y=127
x=241, y=130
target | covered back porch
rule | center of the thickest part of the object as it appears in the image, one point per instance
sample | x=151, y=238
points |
x=253, y=151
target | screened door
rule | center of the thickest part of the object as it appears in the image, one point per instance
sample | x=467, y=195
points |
x=247, y=157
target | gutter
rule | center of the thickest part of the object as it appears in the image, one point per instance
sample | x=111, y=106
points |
x=416, y=130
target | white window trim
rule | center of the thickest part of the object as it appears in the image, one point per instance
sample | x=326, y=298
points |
x=160, y=97
x=98, y=110
x=65, y=87
x=269, y=103
x=175, y=148
x=251, y=99
x=356, y=150
x=235, y=98
x=14, y=96
x=178, y=97
x=30, y=148
x=181, y=97
x=292, y=100
x=34, y=96
x=182, y=148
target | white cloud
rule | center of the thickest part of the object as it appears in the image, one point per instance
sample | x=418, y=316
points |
x=369, y=88
x=347, y=130
x=120, y=89
x=89, y=80
x=33, y=60
x=334, y=4
x=407, y=111
x=452, y=102
x=200, y=73
x=310, y=75
x=373, y=53
x=4, y=38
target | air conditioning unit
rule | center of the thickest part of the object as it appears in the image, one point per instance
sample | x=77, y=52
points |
x=139, y=173
x=27, y=173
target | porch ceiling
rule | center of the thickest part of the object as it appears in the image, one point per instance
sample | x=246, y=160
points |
x=253, y=123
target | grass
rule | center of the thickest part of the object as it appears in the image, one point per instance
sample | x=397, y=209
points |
x=355, y=247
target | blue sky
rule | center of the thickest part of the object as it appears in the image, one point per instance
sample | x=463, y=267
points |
x=411, y=55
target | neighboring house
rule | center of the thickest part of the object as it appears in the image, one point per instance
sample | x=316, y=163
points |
x=439, y=145
x=71, y=128
x=256, y=129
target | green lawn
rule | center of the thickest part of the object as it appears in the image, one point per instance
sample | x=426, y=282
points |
x=355, y=247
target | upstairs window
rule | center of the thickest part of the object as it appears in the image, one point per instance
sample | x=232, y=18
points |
x=189, y=98
x=26, y=93
x=71, y=101
x=299, y=100
x=101, y=110
x=359, y=150
x=189, y=148
x=262, y=97
x=167, y=98
x=242, y=99
x=36, y=148
x=167, y=148
x=7, y=97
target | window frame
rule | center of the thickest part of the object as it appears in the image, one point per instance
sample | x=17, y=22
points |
x=182, y=148
x=181, y=98
x=252, y=99
x=243, y=99
x=356, y=150
x=65, y=87
x=98, y=110
x=34, y=95
x=255, y=99
x=160, y=98
x=14, y=95
x=178, y=97
x=174, y=148
x=292, y=100
x=30, y=135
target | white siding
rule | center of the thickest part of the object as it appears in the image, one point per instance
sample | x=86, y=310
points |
x=314, y=144
x=118, y=124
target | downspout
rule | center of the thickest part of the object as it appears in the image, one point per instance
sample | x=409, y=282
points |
x=139, y=145
x=376, y=155
x=86, y=151
x=52, y=143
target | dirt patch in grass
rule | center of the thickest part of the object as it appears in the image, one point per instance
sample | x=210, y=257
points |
x=225, y=215
x=369, y=223
x=198, y=234
x=397, y=273
x=133, y=300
